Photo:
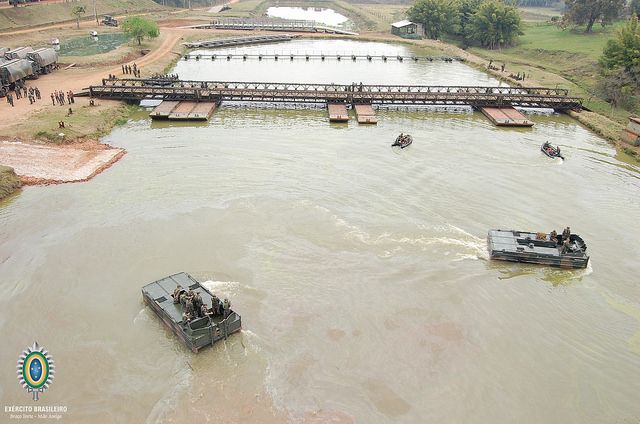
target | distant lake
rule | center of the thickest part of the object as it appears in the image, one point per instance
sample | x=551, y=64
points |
x=318, y=14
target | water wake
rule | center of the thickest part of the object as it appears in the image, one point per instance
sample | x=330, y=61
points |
x=227, y=288
x=179, y=382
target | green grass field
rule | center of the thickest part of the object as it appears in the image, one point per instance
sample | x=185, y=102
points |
x=545, y=36
x=567, y=59
x=538, y=14
x=42, y=14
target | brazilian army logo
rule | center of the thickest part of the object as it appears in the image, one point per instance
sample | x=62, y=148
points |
x=35, y=369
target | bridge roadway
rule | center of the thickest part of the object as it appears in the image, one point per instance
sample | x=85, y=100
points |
x=321, y=56
x=216, y=91
x=271, y=24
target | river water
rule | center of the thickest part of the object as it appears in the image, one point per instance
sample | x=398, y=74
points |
x=360, y=272
x=317, y=14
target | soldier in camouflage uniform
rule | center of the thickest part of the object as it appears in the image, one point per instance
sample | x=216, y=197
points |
x=215, y=304
x=204, y=311
x=226, y=305
x=189, y=307
x=176, y=294
x=197, y=302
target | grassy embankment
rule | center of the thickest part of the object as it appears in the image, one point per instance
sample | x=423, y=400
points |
x=566, y=59
x=85, y=124
x=9, y=181
x=34, y=14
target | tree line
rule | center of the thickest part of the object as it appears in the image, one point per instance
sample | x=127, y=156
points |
x=620, y=62
x=488, y=23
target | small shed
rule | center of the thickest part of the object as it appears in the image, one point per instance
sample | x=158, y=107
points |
x=407, y=29
x=631, y=134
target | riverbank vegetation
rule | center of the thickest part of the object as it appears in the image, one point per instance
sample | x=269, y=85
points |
x=621, y=66
x=588, y=12
x=9, y=181
x=85, y=123
x=488, y=23
x=138, y=27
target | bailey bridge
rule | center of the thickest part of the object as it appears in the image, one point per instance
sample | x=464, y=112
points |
x=227, y=91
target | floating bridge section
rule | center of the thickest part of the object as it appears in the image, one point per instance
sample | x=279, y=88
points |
x=238, y=41
x=217, y=91
x=320, y=56
x=268, y=24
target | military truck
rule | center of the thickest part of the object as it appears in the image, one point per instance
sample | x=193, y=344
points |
x=13, y=73
x=43, y=60
x=109, y=21
x=18, y=53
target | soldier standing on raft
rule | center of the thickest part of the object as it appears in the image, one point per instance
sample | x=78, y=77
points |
x=197, y=302
x=204, y=311
x=215, y=304
x=566, y=234
x=226, y=305
x=176, y=294
x=189, y=307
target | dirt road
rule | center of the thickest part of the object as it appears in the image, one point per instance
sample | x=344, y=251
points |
x=75, y=80
x=44, y=164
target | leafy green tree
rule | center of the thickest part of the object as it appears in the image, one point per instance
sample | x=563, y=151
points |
x=495, y=24
x=139, y=27
x=465, y=10
x=78, y=11
x=623, y=51
x=589, y=12
x=437, y=16
x=635, y=7
x=618, y=88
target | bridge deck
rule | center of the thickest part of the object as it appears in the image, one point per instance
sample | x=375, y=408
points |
x=534, y=97
x=163, y=109
x=318, y=56
x=338, y=112
x=270, y=24
x=238, y=41
x=365, y=114
x=506, y=117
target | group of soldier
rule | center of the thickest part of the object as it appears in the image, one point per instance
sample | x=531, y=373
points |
x=194, y=307
x=32, y=93
x=128, y=70
x=402, y=139
x=495, y=68
x=59, y=97
x=566, y=239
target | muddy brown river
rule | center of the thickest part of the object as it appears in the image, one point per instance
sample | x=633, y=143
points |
x=361, y=272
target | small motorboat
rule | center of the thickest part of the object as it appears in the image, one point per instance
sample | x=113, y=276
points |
x=403, y=141
x=93, y=33
x=55, y=42
x=552, y=152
